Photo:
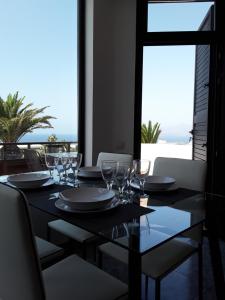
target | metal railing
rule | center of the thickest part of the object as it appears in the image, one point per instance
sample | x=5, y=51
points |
x=12, y=150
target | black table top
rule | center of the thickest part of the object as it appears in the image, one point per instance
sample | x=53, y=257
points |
x=150, y=226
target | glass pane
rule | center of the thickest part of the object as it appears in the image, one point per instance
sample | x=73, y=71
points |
x=39, y=61
x=177, y=16
x=167, y=100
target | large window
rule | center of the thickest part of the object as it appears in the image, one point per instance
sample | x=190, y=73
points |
x=38, y=60
x=167, y=99
x=171, y=57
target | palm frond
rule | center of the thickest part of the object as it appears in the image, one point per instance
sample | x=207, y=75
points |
x=150, y=133
x=16, y=119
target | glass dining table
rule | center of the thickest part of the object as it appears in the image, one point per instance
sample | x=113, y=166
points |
x=138, y=227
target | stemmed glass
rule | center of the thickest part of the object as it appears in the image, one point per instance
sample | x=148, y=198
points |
x=130, y=178
x=50, y=164
x=58, y=166
x=65, y=161
x=122, y=176
x=108, y=170
x=75, y=162
x=141, y=170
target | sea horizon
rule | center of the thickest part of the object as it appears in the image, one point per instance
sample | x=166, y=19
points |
x=69, y=137
x=32, y=137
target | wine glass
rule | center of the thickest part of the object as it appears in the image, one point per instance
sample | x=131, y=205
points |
x=59, y=167
x=141, y=170
x=65, y=161
x=108, y=170
x=75, y=162
x=122, y=176
x=130, y=178
x=50, y=164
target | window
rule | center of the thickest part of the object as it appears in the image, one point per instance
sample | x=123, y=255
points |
x=163, y=17
x=39, y=61
x=168, y=37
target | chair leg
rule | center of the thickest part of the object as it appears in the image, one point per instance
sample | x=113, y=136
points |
x=146, y=287
x=200, y=277
x=157, y=289
x=84, y=251
x=99, y=259
x=48, y=233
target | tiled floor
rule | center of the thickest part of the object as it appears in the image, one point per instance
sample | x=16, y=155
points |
x=181, y=283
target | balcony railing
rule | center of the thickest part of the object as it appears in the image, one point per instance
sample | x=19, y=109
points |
x=12, y=154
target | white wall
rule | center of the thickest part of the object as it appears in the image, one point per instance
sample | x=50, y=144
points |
x=151, y=151
x=110, y=76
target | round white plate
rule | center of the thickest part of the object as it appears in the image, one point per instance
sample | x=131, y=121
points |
x=46, y=184
x=171, y=188
x=28, y=180
x=159, y=182
x=90, y=172
x=86, y=198
x=62, y=206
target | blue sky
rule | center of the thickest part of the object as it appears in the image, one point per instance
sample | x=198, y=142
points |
x=176, y=17
x=38, y=56
x=168, y=71
x=38, y=59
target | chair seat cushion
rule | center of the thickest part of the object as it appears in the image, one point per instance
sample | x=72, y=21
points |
x=157, y=262
x=74, y=278
x=47, y=251
x=71, y=231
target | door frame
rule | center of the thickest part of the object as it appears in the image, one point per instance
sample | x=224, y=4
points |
x=144, y=38
x=216, y=116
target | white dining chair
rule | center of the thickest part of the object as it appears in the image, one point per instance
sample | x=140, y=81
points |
x=189, y=174
x=21, y=277
x=159, y=262
x=73, y=232
x=48, y=253
x=119, y=157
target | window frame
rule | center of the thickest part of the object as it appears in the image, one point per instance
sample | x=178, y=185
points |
x=81, y=4
x=175, y=38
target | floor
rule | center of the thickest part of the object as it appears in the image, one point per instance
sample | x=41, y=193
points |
x=181, y=283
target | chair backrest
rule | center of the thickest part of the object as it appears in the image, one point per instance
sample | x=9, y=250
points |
x=33, y=160
x=188, y=173
x=20, y=275
x=126, y=158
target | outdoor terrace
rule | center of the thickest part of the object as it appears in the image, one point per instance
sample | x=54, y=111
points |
x=12, y=158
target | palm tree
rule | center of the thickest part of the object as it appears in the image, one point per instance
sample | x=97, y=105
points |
x=150, y=133
x=16, y=119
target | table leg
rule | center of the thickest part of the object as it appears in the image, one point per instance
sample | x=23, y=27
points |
x=134, y=271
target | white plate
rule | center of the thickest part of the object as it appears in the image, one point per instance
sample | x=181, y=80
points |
x=86, y=175
x=171, y=188
x=28, y=180
x=159, y=182
x=86, y=198
x=62, y=206
x=90, y=172
x=46, y=184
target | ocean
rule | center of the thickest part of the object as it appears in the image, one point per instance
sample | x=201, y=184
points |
x=73, y=138
x=32, y=137
x=175, y=139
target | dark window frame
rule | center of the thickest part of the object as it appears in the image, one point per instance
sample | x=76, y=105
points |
x=145, y=38
x=81, y=75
